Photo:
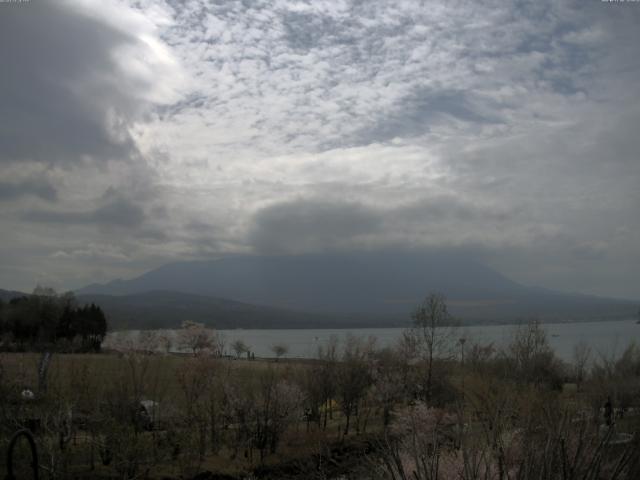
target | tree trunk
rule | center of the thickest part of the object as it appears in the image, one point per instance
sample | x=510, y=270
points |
x=429, y=373
x=346, y=428
x=326, y=413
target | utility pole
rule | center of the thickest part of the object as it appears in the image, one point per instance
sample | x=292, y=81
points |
x=462, y=342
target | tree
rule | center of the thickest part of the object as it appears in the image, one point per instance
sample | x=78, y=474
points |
x=3, y=311
x=196, y=382
x=277, y=403
x=239, y=347
x=313, y=384
x=44, y=318
x=148, y=341
x=433, y=331
x=415, y=449
x=581, y=357
x=279, y=349
x=353, y=377
x=196, y=337
x=532, y=358
x=388, y=381
x=22, y=320
x=326, y=378
x=87, y=323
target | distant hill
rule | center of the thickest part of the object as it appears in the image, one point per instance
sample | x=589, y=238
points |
x=6, y=295
x=373, y=288
x=167, y=309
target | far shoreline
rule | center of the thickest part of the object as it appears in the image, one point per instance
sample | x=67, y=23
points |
x=385, y=327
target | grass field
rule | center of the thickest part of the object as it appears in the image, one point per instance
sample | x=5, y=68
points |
x=89, y=385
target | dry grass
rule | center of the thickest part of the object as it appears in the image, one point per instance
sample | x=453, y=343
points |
x=86, y=380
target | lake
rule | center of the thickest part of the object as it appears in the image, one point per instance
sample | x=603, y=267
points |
x=604, y=338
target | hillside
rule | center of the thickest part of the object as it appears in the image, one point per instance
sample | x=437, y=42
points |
x=168, y=309
x=381, y=287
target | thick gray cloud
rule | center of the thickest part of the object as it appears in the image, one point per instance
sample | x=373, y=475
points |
x=78, y=80
x=36, y=186
x=307, y=225
x=116, y=211
x=303, y=226
x=62, y=99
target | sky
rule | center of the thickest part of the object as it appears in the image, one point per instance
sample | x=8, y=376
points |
x=136, y=133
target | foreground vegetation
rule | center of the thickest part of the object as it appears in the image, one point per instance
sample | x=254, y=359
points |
x=434, y=406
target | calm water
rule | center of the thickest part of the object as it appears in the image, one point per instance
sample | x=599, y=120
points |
x=605, y=338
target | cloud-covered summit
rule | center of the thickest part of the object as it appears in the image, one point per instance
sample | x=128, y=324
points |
x=134, y=133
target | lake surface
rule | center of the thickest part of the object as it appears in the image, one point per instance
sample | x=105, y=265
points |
x=605, y=338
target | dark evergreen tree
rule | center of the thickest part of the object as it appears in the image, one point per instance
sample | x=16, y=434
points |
x=40, y=320
x=65, y=327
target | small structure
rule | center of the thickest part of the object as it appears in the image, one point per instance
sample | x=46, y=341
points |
x=34, y=454
x=27, y=394
x=147, y=414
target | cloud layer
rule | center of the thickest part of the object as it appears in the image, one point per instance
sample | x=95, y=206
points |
x=135, y=133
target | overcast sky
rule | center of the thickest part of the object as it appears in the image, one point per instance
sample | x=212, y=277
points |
x=134, y=133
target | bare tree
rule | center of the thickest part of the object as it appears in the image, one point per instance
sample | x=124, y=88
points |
x=531, y=357
x=388, y=387
x=353, y=377
x=279, y=349
x=277, y=405
x=309, y=380
x=414, y=446
x=326, y=377
x=239, y=347
x=581, y=357
x=196, y=381
x=433, y=329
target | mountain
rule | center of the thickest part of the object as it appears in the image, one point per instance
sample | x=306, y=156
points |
x=6, y=295
x=380, y=287
x=168, y=309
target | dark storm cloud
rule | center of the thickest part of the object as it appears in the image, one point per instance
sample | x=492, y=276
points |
x=62, y=98
x=33, y=186
x=117, y=211
x=305, y=225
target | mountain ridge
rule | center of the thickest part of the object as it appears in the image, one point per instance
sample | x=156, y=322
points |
x=382, y=285
x=168, y=309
